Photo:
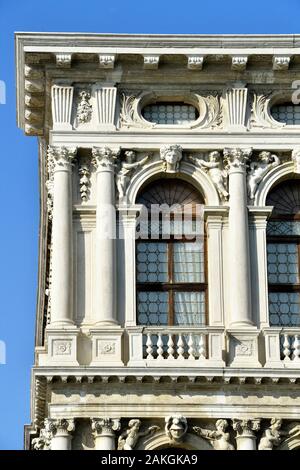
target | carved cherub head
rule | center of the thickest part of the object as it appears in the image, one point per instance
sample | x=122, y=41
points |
x=265, y=156
x=214, y=156
x=171, y=156
x=176, y=427
x=134, y=424
x=221, y=425
x=129, y=156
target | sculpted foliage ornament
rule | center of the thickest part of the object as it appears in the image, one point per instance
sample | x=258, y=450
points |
x=236, y=158
x=171, y=156
x=214, y=115
x=104, y=157
x=84, y=180
x=127, y=167
x=176, y=427
x=50, y=180
x=84, y=108
x=257, y=170
x=220, y=439
x=214, y=169
x=100, y=425
x=260, y=111
x=245, y=426
x=129, y=438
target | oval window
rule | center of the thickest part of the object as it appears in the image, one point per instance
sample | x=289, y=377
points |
x=288, y=113
x=170, y=113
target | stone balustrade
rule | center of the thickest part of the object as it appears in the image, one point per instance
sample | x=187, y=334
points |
x=197, y=346
x=282, y=347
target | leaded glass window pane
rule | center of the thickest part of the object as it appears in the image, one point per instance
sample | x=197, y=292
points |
x=153, y=308
x=152, y=262
x=287, y=113
x=170, y=113
x=284, y=308
x=188, y=262
x=283, y=227
x=189, y=308
x=283, y=263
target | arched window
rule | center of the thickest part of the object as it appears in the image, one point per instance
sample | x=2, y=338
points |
x=170, y=256
x=283, y=248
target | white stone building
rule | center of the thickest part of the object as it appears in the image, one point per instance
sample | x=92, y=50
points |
x=165, y=341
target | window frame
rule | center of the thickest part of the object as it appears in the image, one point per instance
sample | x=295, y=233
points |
x=295, y=239
x=170, y=286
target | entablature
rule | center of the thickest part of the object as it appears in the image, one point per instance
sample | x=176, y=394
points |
x=165, y=66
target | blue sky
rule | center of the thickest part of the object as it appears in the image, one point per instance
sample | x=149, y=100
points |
x=19, y=194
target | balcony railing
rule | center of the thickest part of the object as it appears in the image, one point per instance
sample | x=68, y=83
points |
x=282, y=347
x=169, y=346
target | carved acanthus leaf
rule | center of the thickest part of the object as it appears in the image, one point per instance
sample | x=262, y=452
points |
x=260, y=116
x=214, y=111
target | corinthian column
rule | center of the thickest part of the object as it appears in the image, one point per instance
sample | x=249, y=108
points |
x=60, y=430
x=245, y=433
x=105, y=313
x=103, y=431
x=62, y=267
x=240, y=292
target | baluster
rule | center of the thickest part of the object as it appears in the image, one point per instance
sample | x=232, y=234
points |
x=170, y=347
x=202, y=347
x=160, y=344
x=149, y=345
x=296, y=348
x=191, y=350
x=286, y=347
x=180, y=347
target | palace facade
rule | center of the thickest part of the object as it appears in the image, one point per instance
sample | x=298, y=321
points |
x=168, y=310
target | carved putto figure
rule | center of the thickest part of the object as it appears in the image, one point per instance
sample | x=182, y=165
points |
x=216, y=173
x=176, y=427
x=129, y=438
x=127, y=167
x=272, y=435
x=220, y=439
x=171, y=156
x=257, y=170
x=43, y=442
x=84, y=109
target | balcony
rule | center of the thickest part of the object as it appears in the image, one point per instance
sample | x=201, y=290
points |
x=282, y=347
x=176, y=346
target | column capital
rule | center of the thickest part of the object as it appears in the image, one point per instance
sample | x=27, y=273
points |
x=102, y=426
x=246, y=427
x=236, y=158
x=59, y=426
x=104, y=158
x=61, y=158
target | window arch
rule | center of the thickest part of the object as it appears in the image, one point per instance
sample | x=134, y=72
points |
x=283, y=254
x=170, y=255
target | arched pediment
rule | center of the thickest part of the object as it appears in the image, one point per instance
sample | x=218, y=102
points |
x=160, y=441
x=188, y=172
